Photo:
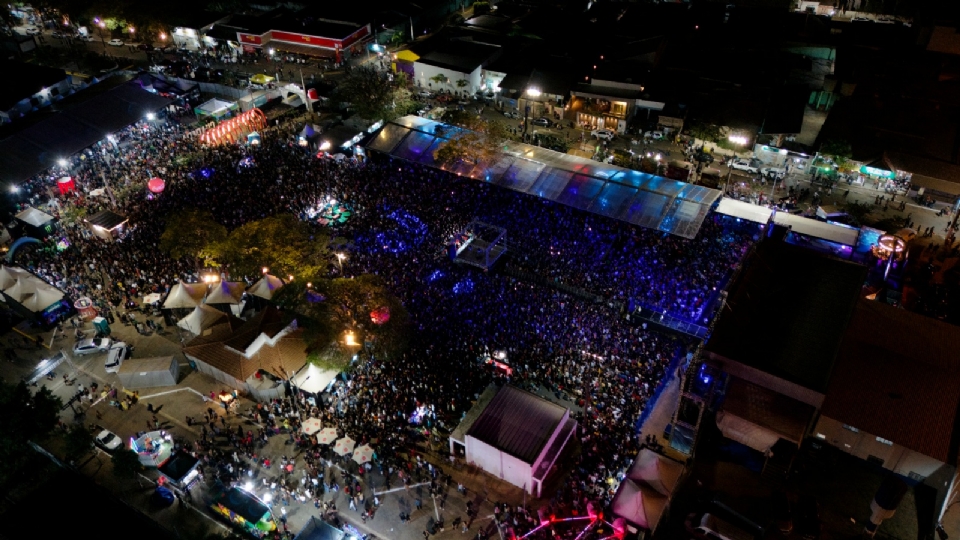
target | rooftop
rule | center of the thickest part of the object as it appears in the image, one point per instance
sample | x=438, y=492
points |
x=518, y=423
x=29, y=79
x=105, y=219
x=786, y=313
x=898, y=377
x=459, y=55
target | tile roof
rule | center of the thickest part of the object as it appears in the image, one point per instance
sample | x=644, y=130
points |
x=518, y=423
x=897, y=376
x=220, y=346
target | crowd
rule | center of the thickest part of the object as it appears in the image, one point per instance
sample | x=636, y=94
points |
x=584, y=354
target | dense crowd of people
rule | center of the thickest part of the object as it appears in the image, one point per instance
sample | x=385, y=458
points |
x=584, y=354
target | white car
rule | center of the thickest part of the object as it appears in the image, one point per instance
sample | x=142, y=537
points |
x=90, y=346
x=32, y=31
x=85, y=38
x=115, y=356
x=743, y=165
x=511, y=114
x=425, y=94
x=605, y=134
x=115, y=42
x=108, y=441
x=655, y=135
x=772, y=172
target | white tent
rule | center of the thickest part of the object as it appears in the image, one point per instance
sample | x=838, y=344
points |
x=267, y=285
x=746, y=432
x=659, y=472
x=9, y=276
x=744, y=210
x=32, y=216
x=22, y=288
x=185, y=295
x=225, y=292
x=313, y=379
x=201, y=318
x=42, y=299
x=639, y=504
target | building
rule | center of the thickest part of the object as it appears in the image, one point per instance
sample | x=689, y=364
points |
x=281, y=31
x=33, y=87
x=453, y=64
x=257, y=357
x=514, y=435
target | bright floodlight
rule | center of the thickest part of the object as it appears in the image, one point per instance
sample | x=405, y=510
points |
x=267, y=497
x=248, y=486
x=737, y=139
x=151, y=116
x=62, y=162
x=325, y=145
x=533, y=92
x=14, y=189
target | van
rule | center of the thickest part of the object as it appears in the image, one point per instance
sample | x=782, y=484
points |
x=713, y=528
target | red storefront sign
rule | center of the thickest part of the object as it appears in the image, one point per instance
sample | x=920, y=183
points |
x=302, y=39
x=356, y=36
x=249, y=38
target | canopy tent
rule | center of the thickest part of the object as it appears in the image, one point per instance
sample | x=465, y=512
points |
x=746, y=432
x=21, y=289
x=265, y=288
x=344, y=446
x=201, y=318
x=216, y=108
x=42, y=299
x=185, y=295
x=9, y=276
x=639, y=504
x=364, y=454
x=659, y=472
x=744, y=210
x=225, y=292
x=327, y=435
x=152, y=298
x=313, y=379
x=261, y=78
x=34, y=217
x=311, y=426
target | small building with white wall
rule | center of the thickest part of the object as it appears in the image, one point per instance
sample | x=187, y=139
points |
x=453, y=61
x=514, y=435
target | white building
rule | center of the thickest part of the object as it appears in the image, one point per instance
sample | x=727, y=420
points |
x=446, y=66
x=514, y=435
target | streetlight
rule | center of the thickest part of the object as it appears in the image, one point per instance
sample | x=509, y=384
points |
x=151, y=116
x=163, y=36
x=101, y=25
x=62, y=163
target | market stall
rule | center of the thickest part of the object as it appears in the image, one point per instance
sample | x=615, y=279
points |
x=153, y=448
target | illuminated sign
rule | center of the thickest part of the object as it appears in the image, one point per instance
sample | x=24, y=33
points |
x=873, y=171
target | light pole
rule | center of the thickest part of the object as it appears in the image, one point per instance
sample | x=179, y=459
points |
x=101, y=25
x=340, y=257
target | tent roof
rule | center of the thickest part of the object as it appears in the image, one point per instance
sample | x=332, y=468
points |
x=840, y=234
x=518, y=423
x=313, y=379
x=204, y=316
x=9, y=276
x=32, y=216
x=215, y=105
x=744, y=210
x=639, y=504
x=317, y=529
x=138, y=365
x=22, y=288
x=267, y=285
x=659, y=472
x=225, y=292
x=185, y=295
x=105, y=219
x=44, y=297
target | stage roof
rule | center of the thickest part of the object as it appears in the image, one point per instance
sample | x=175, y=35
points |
x=745, y=210
x=29, y=147
x=786, y=314
x=518, y=423
x=643, y=199
x=898, y=377
x=840, y=234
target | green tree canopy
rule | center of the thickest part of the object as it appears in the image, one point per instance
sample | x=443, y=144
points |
x=282, y=243
x=25, y=417
x=704, y=131
x=78, y=442
x=375, y=95
x=481, y=142
x=189, y=232
x=126, y=464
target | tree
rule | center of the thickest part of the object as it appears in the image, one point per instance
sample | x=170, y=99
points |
x=398, y=38
x=857, y=211
x=126, y=464
x=26, y=417
x=705, y=131
x=440, y=78
x=189, y=232
x=78, y=442
x=481, y=142
x=374, y=95
x=282, y=243
x=462, y=83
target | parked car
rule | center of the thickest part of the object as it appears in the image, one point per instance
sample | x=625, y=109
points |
x=542, y=122
x=32, y=31
x=772, y=172
x=91, y=345
x=605, y=134
x=57, y=35
x=511, y=114
x=655, y=135
x=115, y=356
x=115, y=42
x=424, y=94
x=144, y=47
x=108, y=441
x=82, y=37
x=744, y=165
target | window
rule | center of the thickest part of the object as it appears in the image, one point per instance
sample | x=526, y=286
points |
x=851, y=428
x=618, y=108
x=881, y=440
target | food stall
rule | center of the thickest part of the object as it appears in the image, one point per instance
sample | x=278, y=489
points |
x=153, y=448
x=181, y=470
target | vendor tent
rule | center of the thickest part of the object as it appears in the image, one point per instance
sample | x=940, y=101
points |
x=36, y=218
x=43, y=298
x=363, y=454
x=201, y=318
x=265, y=288
x=9, y=276
x=225, y=292
x=149, y=372
x=21, y=289
x=344, y=446
x=744, y=210
x=185, y=295
x=311, y=426
x=313, y=379
x=646, y=491
x=216, y=108
x=327, y=435
x=659, y=472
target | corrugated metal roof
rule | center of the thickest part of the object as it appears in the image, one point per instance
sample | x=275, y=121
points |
x=518, y=423
x=897, y=376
